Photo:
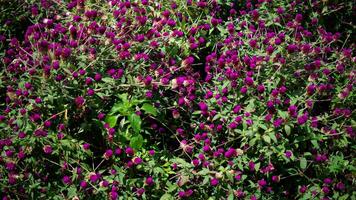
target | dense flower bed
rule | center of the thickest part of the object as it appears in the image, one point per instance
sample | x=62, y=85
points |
x=179, y=99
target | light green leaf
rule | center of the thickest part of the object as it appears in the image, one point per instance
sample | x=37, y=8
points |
x=72, y=191
x=167, y=197
x=273, y=136
x=118, y=107
x=257, y=166
x=150, y=109
x=266, y=138
x=111, y=120
x=303, y=163
x=231, y=196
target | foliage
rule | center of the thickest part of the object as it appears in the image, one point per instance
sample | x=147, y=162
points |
x=179, y=99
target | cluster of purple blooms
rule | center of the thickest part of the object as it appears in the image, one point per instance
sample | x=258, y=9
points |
x=244, y=100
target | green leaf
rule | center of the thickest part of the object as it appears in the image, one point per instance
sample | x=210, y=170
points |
x=257, y=166
x=267, y=139
x=204, y=171
x=182, y=162
x=111, y=120
x=303, y=163
x=252, y=142
x=273, y=136
x=206, y=180
x=135, y=121
x=72, y=191
x=171, y=187
x=148, y=108
x=123, y=97
x=315, y=143
x=136, y=141
x=287, y=129
x=167, y=197
x=118, y=107
x=231, y=196
x=198, y=112
x=108, y=80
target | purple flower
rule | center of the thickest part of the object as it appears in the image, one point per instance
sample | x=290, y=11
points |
x=288, y=154
x=340, y=186
x=83, y=184
x=249, y=81
x=214, y=182
x=137, y=160
x=328, y=181
x=140, y=191
x=108, y=153
x=151, y=152
x=278, y=122
x=230, y=153
x=94, y=177
x=129, y=151
x=149, y=181
x=303, y=189
x=302, y=119
x=203, y=106
x=79, y=101
x=86, y=146
x=243, y=90
x=66, y=180
x=233, y=125
x=47, y=149
x=66, y=52
x=262, y=183
x=195, y=162
x=325, y=190
x=251, y=166
x=275, y=179
x=181, y=194
x=97, y=77
x=90, y=92
x=260, y=88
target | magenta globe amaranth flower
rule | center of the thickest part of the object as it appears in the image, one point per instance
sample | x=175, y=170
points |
x=288, y=154
x=79, y=101
x=214, y=182
x=340, y=186
x=276, y=179
x=129, y=151
x=86, y=146
x=94, y=177
x=108, y=154
x=47, y=149
x=137, y=160
x=203, y=106
x=262, y=183
x=149, y=181
x=66, y=180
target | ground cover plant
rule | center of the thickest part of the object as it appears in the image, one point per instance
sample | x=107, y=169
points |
x=178, y=100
